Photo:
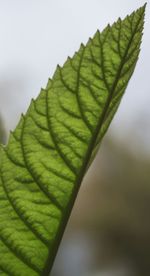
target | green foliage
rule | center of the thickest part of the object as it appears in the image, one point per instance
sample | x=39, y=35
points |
x=51, y=148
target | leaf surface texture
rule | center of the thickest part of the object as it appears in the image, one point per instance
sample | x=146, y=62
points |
x=47, y=155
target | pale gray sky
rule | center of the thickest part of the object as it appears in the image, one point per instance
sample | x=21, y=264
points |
x=36, y=35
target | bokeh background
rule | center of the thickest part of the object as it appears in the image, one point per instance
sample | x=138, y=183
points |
x=109, y=230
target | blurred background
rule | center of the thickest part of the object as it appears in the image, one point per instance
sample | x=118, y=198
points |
x=108, y=233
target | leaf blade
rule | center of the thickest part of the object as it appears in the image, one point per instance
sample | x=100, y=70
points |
x=47, y=155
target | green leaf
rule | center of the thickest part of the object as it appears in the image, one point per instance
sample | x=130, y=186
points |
x=50, y=150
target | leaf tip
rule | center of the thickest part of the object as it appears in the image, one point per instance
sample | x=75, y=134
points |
x=143, y=8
